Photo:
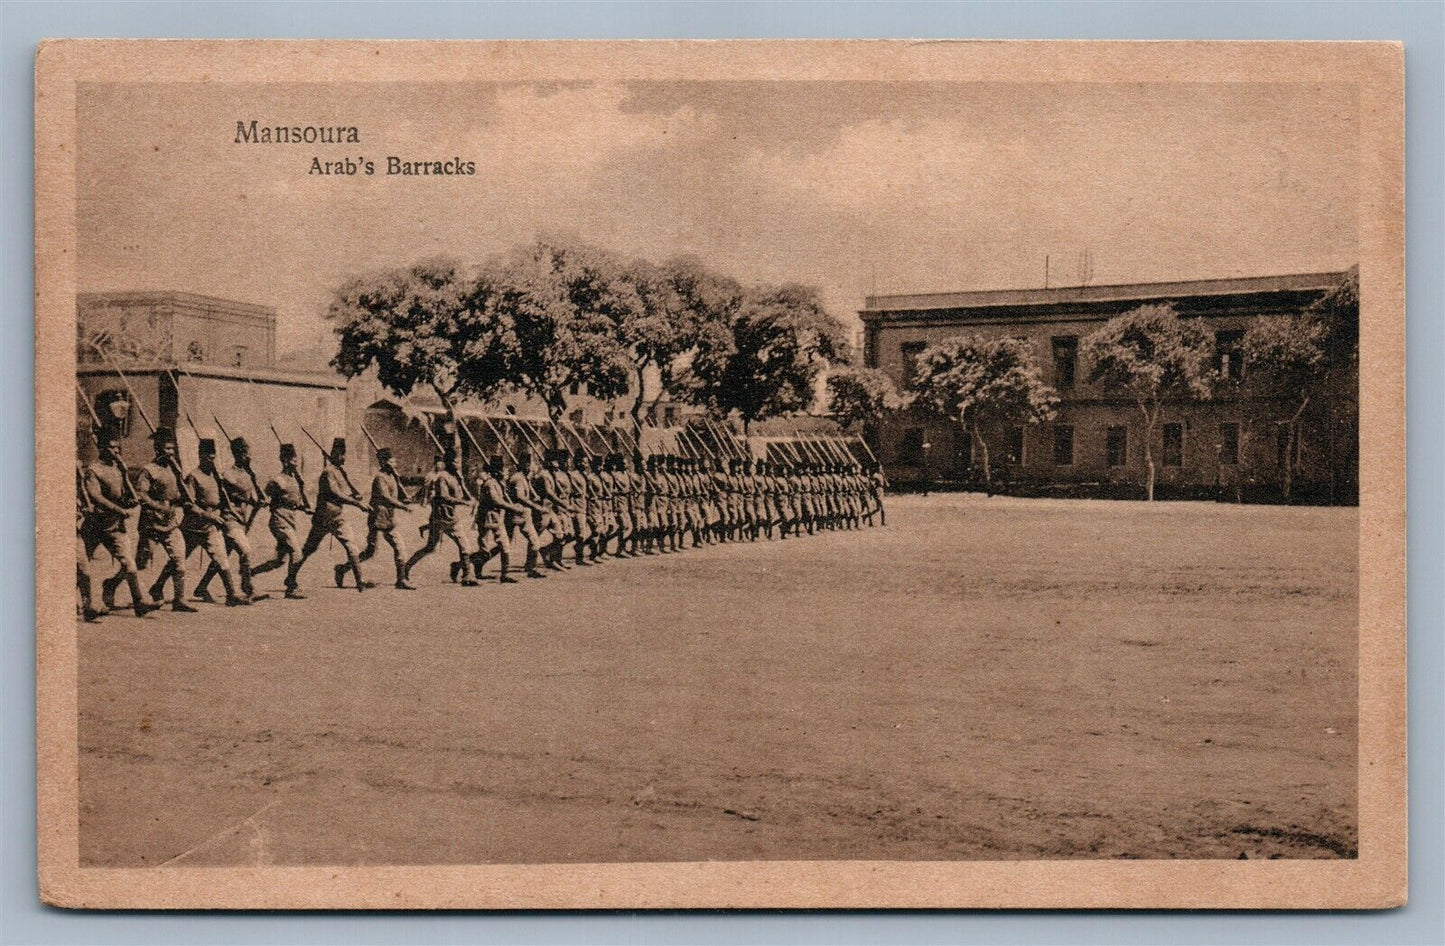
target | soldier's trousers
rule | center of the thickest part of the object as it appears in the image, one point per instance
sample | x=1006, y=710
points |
x=393, y=539
x=213, y=540
x=173, y=546
x=239, y=542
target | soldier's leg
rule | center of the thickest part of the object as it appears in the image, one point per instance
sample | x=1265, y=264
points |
x=213, y=540
x=118, y=546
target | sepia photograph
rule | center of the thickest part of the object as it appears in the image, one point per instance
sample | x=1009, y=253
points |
x=972, y=469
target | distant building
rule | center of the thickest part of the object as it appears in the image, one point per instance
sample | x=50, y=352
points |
x=192, y=359
x=1094, y=444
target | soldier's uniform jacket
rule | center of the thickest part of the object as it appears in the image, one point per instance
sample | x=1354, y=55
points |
x=492, y=503
x=205, y=490
x=112, y=485
x=241, y=491
x=445, y=493
x=385, y=501
x=519, y=489
x=330, y=489
x=287, y=498
x=581, y=489
x=161, y=506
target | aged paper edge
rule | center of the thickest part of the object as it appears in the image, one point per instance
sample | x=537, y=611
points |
x=1376, y=879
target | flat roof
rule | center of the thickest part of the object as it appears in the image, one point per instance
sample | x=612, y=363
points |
x=189, y=300
x=1122, y=292
x=198, y=370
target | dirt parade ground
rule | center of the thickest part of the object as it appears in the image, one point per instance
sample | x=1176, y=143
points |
x=983, y=678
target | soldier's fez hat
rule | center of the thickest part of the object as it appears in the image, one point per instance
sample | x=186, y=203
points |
x=338, y=445
x=161, y=435
x=207, y=447
x=238, y=444
x=383, y=453
x=288, y=451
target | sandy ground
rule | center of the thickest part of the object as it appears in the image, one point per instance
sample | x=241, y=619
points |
x=984, y=678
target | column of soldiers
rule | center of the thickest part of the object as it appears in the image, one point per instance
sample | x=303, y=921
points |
x=560, y=508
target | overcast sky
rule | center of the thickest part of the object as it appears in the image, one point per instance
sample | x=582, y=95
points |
x=852, y=187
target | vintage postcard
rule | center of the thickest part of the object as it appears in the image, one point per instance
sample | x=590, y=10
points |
x=720, y=474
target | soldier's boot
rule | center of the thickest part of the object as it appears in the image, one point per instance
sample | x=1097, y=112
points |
x=108, y=588
x=203, y=589
x=248, y=586
x=139, y=604
x=361, y=583
x=233, y=599
x=504, y=578
x=531, y=568
x=339, y=574
x=293, y=584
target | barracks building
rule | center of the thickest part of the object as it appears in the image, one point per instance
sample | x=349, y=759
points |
x=1094, y=445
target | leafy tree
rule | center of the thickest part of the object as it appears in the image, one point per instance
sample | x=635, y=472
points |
x=765, y=361
x=1337, y=409
x=1151, y=356
x=984, y=383
x=683, y=305
x=861, y=395
x=1284, y=360
x=564, y=303
x=429, y=325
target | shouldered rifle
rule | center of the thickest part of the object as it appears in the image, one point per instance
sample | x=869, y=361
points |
x=326, y=460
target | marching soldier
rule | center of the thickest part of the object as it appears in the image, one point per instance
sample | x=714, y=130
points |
x=88, y=611
x=110, y=498
x=387, y=496
x=445, y=491
x=243, y=500
x=334, y=493
x=556, y=511
x=520, y=494
x=493, y=510
x=163, y=500
x=204, y=521
x=287, y=495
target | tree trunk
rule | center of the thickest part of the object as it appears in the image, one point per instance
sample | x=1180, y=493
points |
x=1291, y=448
x=641, y=393
x=456, y=444
x=1149, y=418
x=987, y=470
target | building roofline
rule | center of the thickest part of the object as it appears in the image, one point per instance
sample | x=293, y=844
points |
x=259, y=373
x=177, y=297
x=1122, y=292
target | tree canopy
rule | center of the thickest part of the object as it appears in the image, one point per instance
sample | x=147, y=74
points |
x=766, y=360
x=1151, y=356
x=553, y=318
x=861, y=395
x=983, y=383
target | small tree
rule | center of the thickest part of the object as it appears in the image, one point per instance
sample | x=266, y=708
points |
x=429, y=325
x=861, y=395
x=983, y=383
x=1151, y=356
x=1283, y=361
x=766, y=360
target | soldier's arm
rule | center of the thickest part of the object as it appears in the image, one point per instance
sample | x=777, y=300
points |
x=498, y=497
x=97, y=495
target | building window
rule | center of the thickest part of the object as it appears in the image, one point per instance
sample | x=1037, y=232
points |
x=910, y=447
x=1173, y=444
x=1014, y=447
x=1066, y=357
x=1116, y=446
x=669, y=416
x=238, y=356
x=1229, y=444
x=1063, y=445
x=195, y=351
x=1229, y=353
x=575, y=388
x=911, y=352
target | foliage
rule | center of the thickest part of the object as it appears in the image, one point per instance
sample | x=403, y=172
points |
x=564, y=302
x=984, y=383
x=1151, y=356
x=765, y=361
x=861, y=395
